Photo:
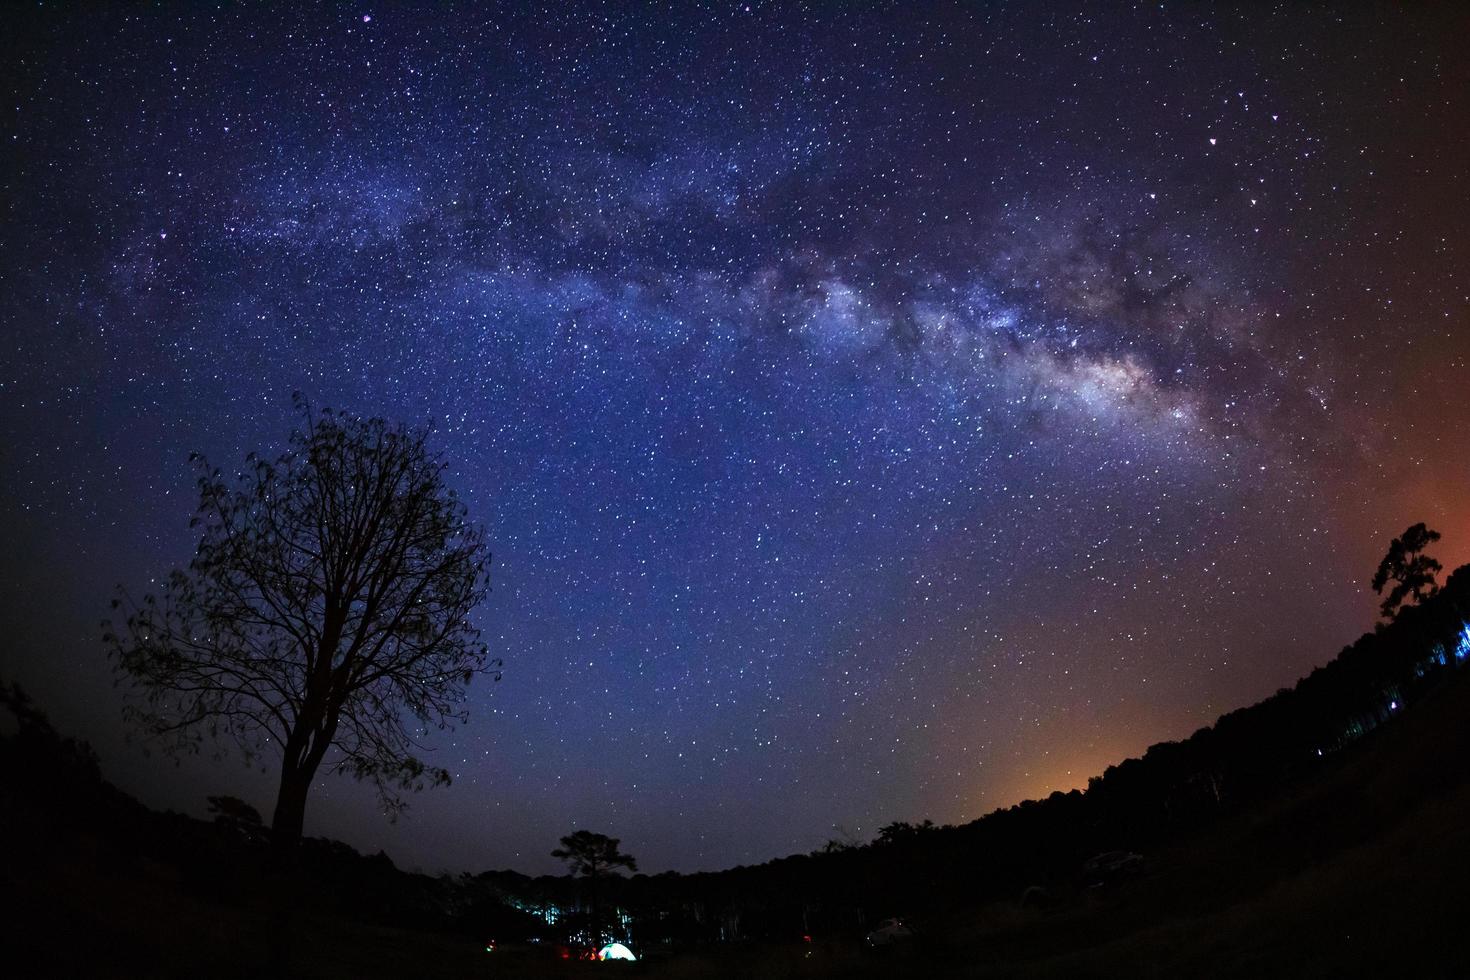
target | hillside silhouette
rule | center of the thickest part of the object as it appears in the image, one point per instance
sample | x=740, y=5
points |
x=1320, y=832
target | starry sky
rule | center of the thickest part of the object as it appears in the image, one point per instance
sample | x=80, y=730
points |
x=878, y=412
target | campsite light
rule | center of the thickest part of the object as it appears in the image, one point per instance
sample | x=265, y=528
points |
x=616, y=951
x=1393, y=706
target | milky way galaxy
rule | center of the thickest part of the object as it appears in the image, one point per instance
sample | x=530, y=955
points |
x=876, y=414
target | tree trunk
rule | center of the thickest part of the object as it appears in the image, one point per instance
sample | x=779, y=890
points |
x=299, y=762
x=290, y=813
x=596, y=913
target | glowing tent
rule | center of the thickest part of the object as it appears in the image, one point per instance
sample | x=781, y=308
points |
x=616, y=951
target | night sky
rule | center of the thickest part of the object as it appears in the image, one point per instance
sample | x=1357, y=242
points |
x=877, y=415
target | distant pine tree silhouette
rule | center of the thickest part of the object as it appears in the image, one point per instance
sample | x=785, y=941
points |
x=593, y=856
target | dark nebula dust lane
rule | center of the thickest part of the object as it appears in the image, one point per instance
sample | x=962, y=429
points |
x=877, y=415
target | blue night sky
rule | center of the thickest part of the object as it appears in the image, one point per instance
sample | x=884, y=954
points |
x=876, y=415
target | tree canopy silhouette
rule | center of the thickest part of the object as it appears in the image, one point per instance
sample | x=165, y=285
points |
x=324, y=617
x=1409, y=568
x=901, y=830
x=593, y=855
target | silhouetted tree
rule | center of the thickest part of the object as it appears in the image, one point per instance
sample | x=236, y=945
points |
x=1409, y=568
x=237, y=816
x=593, y=856
x=902, y=830
x=324, y=617
x=845, y=840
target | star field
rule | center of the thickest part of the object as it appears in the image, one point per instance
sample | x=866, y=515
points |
x=877, y=415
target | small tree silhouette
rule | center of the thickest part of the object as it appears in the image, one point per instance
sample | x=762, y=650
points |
x=1409, y=568
x=324, y=618
x=236, y=816
x=593, y=856
x=902, y=830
